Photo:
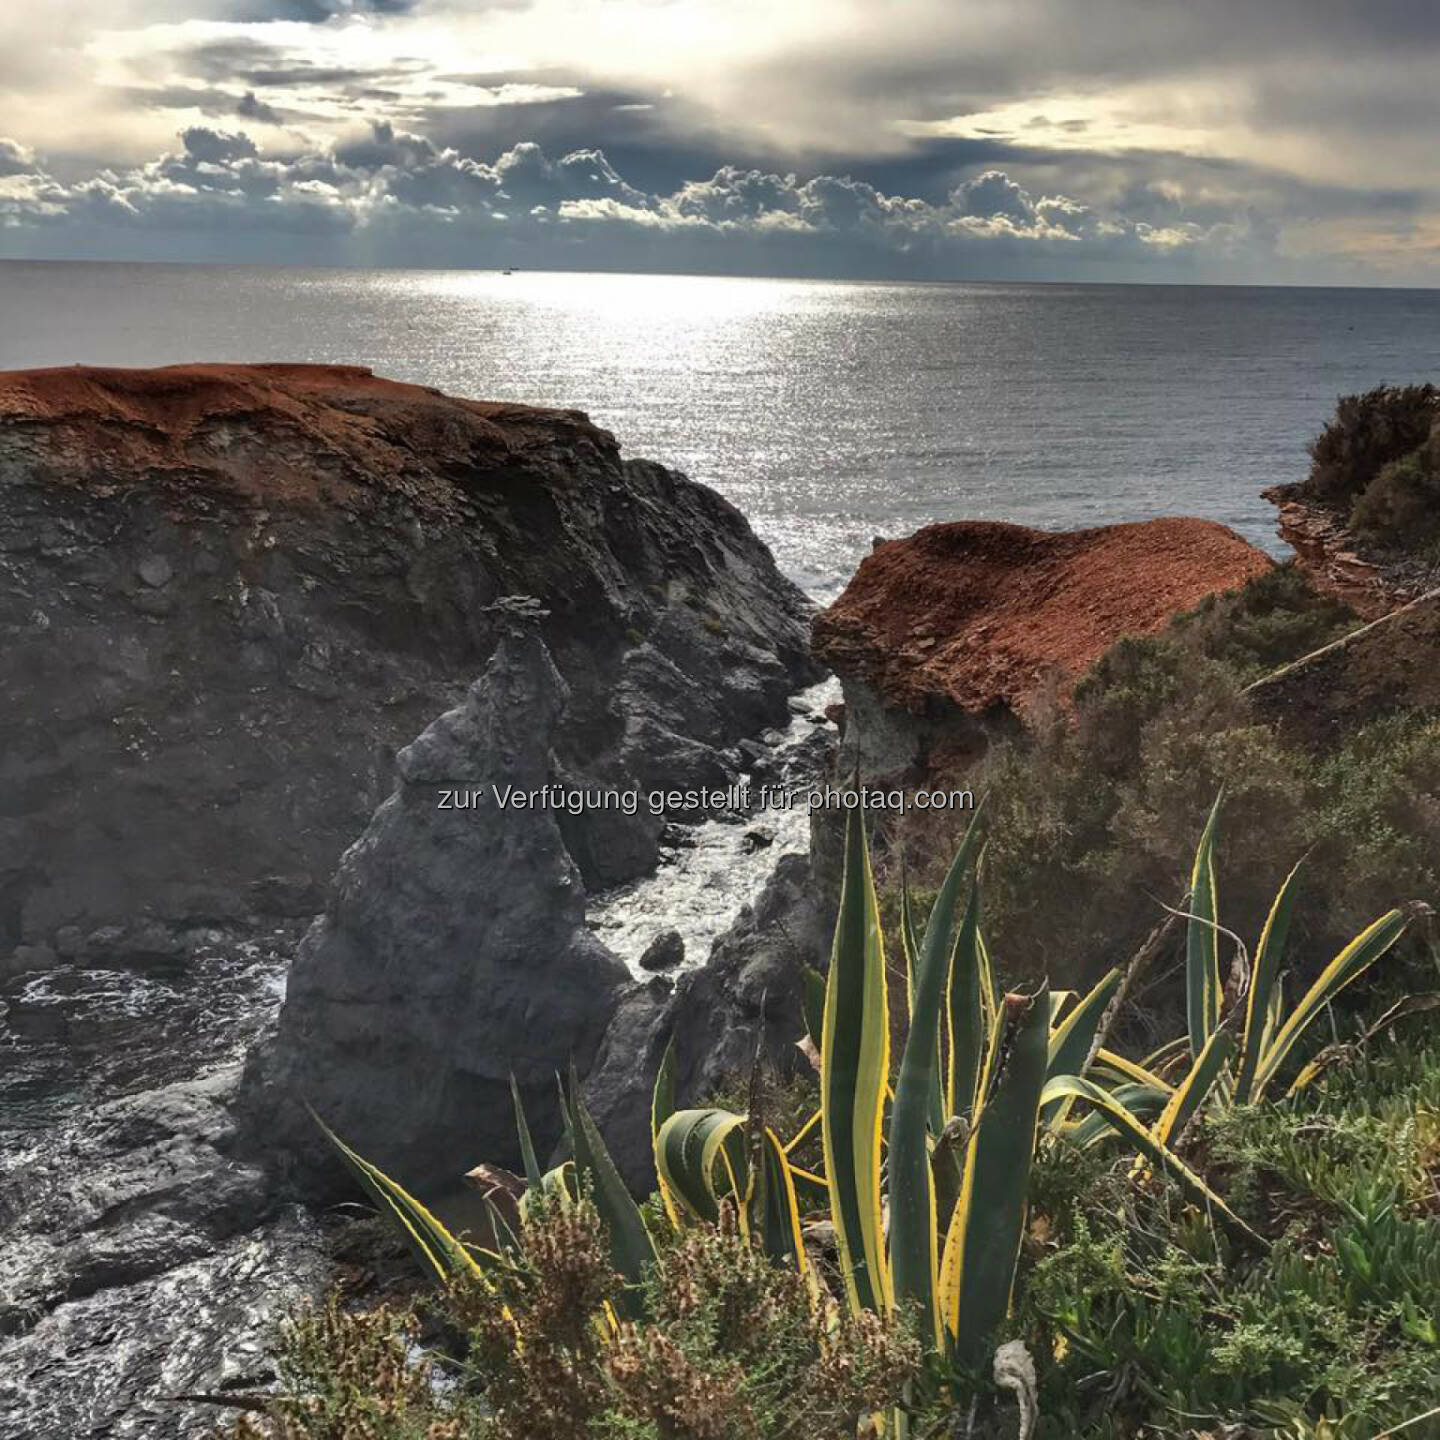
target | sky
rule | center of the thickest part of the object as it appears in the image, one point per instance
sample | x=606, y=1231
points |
x=1215, y=141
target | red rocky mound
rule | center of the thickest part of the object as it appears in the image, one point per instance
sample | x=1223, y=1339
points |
x=980, y=615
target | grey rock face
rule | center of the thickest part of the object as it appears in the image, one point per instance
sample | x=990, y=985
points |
x=227, y=596
x=452, y=953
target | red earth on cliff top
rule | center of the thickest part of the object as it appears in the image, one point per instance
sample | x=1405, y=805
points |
x=980, y=615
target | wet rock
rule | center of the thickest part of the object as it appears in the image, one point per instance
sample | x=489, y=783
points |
x=664, y=952
x=758, y=837
x=231, y=592
x=452, y=954
x=746, y=996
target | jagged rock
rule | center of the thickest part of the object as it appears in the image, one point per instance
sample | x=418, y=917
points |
x=1390, y=666
x=1371, y=585
x=452, y=953
x=664, y=952
x=747, y=994
x=229, y=593
x=964, y=631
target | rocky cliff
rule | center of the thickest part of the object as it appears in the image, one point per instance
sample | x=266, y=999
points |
x=452, y=953
x=229, y=593
x=957, y=633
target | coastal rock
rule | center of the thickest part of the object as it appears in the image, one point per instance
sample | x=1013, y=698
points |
x=968, y=630
x=452, y=954
x=664, y=952
x=745, y=999
x=229, y=593
x=1372, y=585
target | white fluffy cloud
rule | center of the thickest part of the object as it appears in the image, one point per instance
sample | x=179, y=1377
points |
x=393, y=189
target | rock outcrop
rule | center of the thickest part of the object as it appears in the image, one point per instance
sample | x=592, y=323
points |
x=453, y=951
x=228, y=593
x=957, y=634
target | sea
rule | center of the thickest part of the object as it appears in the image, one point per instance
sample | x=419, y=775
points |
x=830, y=413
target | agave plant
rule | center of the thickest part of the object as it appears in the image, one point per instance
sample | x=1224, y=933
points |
x=1234, y=1057
x=924, y=1186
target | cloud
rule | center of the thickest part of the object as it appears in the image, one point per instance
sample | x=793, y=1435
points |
x=391, y=192
x=248, y=107
x=15, y=159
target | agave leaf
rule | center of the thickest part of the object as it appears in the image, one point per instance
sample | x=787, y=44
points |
x=778, y=1217
x=1202, y=939
x=686, y=1151
x=1142, y=1101
x=527, y=1145
x=1070, y=1041
x=854, y=1067
x=983, y=1241
x=631, y=1249
x=914, y=1260
x=967, y=1020
x=1157, y=1059
x=908, y=944
x=1264, y=974
x=1130, y=1128
x=1125, y=1069
x=662, y=1107
x=435, y=1247
x=812, y=1003
x=1352, y=962
x=1192, y=1092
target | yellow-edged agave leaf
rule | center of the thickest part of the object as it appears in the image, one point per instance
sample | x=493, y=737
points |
x=1125, y=1069
x=1202, y=940
x=631, y=1249
x=1192, y=1092
x=533, y=1177
x=854, y=1068
x=914, y=1259
x=687, y=1149
x=908, y=943
x=1264, y=975
x=435, y=1247
x=1352, y=962
x=983, y=1242
x=777, y=1217
x=1130, y=1128
x=966, y=1017
x=1070, y=1040
x=662, y=1107
x=1142, y=1101
x=1159, y=1058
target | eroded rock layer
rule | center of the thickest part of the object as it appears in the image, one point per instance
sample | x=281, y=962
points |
x=962, y=629
x=228, y=593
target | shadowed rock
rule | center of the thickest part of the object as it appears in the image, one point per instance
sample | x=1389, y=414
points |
x=452, y=953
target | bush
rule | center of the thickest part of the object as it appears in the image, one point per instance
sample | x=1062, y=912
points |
x=734, y=1350
x=1367, y=433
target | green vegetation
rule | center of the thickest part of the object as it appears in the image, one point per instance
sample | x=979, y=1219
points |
x=1378, y=463
x=1092, y=819
x=1176, y=1246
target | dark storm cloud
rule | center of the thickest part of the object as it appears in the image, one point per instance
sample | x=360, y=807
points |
x=249, y=107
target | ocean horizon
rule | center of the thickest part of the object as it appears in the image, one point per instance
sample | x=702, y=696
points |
x=829, y=411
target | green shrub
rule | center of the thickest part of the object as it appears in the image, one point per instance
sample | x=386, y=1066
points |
x=1368, y=432
x=1401, y=506
x=1153, y=1324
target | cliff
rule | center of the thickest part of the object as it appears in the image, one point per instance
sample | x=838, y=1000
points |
x=960, y=631
x=229, y=593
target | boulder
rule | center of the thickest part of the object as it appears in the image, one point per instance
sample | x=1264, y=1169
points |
x=452, y=953
x=228, y=594
x=664, y=952
x=968, y=630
